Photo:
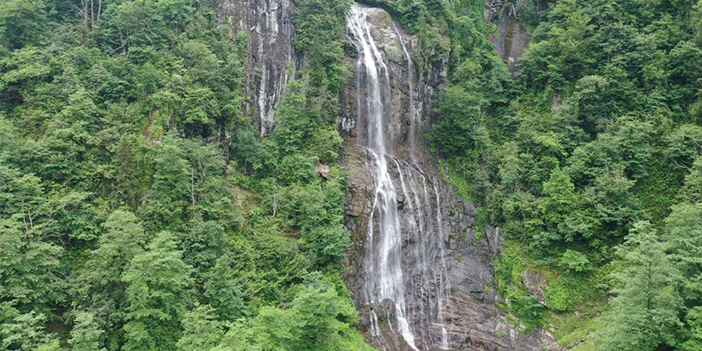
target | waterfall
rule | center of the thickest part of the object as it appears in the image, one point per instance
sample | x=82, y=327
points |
x=387, y=281
x=410, y=272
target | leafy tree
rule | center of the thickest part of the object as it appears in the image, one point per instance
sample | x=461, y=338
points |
x=645, y=311
x=23, y=23
x=684, y=235
x=694, y=327
x=692, y=188
x=223, y=293
x=201, y=330
x=684, y=145
x=560, y=203
x=172, y=187
x=122, y=240
x=202, y=244
x=320, y=31
x=86, y=334
x=100, y=289
x=30, y=267
x=24, y=331
x=460, y=111
x=156, y=295
x=317, y=320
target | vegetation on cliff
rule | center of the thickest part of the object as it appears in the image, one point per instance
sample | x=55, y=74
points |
x=139, y=207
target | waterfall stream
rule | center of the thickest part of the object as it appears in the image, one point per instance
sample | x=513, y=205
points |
x=386, y=262
x=414, y=278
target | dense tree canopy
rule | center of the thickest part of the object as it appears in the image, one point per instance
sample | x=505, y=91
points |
x=140, y=209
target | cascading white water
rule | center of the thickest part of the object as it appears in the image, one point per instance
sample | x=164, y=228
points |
x=385, y=260
x=418, y=295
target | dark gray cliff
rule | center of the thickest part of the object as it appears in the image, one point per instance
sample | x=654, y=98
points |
x=269, y=28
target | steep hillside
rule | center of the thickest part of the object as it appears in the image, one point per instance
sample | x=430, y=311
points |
x=297, y=175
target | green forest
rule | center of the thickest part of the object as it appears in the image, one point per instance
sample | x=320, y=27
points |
x=141, y=208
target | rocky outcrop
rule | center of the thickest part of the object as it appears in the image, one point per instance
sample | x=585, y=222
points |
x=534, y=281
x=470, y=317
x=268, y=27
x=511, y=41
x=512, y=37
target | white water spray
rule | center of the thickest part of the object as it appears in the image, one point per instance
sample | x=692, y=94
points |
x=403, y=202
x=386, y=279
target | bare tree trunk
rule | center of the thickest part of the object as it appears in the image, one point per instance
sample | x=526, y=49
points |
x=84, y=10
x=92, y=15
x=99, y=12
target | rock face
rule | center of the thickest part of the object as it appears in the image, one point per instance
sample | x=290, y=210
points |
x=449, y=301
x=533, y=282
x=269, y=30
x=409, y=93
x=511, y=41
x=512, y=38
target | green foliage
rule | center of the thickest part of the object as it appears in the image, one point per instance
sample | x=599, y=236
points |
x=684, y=237
x=318, y=319
x=692, y=188
x=24, y=331
x=223, y=293
x=201, y=331
x=527, y=309
x=320, y=30
x=694, y=322
x=575, y=261
x=23, y=23
x=645, y=312
x=135, y=193
x=598, y=131
x=29, y=261
x=86, y=335
x=561, y=297
x=156, y=295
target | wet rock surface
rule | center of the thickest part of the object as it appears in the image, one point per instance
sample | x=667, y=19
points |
x=269, y=29
x=411, y=93
x=470, y=316
x=511, y=40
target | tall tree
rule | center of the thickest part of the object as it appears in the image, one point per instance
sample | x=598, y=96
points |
x=157, y=296
x=201, y=330
x=22, y=23
x=223, y=293
x=645, y=311
x=684, y=234
x=86, y=334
